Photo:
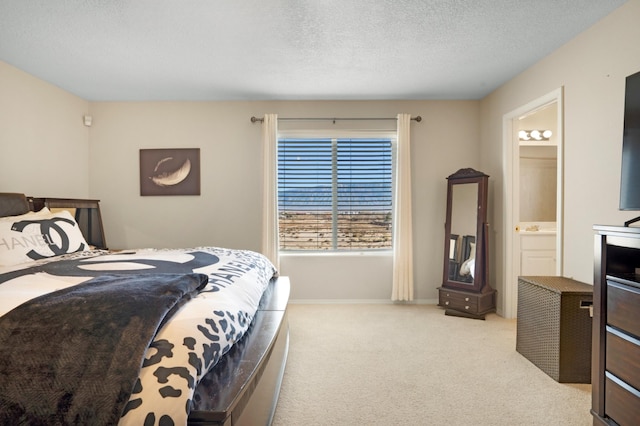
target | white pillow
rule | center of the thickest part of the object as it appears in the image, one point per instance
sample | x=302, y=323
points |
x=33, y=236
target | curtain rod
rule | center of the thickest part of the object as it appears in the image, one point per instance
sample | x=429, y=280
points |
x=254, y=119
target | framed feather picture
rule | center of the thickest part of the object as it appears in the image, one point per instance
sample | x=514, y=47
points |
x=170, y=171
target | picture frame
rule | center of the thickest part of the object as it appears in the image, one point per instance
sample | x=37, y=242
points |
x=170, y=171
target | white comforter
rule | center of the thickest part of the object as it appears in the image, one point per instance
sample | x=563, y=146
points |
x=200, y=332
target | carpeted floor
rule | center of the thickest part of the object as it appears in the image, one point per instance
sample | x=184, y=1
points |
x=412, y=365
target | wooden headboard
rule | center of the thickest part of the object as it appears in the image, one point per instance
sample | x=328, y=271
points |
x=86, y=212
x=13, y=204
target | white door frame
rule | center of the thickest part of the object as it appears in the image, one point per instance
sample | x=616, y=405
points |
x=511, y=267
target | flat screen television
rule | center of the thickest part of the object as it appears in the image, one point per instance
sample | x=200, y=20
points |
x=630, y=171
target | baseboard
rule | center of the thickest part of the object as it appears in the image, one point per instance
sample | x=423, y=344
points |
x=360, y=302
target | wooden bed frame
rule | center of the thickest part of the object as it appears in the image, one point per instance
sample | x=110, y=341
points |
x=243, y=388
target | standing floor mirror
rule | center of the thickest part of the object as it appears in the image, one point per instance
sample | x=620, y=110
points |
x=465, y=287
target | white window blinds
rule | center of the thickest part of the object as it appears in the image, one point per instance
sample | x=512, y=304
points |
x=335, y=193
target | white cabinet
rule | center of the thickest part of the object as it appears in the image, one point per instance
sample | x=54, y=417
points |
x=537, y=253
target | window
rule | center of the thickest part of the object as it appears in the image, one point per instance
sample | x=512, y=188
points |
x=335, y=193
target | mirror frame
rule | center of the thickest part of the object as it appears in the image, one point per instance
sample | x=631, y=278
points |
x=465, y=176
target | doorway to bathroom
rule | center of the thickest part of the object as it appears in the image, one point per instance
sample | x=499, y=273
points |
x=533, y=141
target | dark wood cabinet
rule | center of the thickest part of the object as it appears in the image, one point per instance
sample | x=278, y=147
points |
x=464, y=302
x=615, y=370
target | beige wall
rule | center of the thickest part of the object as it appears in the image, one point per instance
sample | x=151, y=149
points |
x=591, y=70
x=228, y=212
x=47, y=151
x=44, y=146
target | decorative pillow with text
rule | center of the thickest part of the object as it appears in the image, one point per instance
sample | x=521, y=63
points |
x=39, y=235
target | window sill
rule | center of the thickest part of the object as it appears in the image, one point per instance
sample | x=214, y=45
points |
x=381, y=253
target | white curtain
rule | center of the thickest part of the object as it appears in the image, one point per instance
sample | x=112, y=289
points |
x=402, y=230
x=270, y=189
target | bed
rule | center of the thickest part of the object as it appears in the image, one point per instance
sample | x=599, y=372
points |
x=175, y=336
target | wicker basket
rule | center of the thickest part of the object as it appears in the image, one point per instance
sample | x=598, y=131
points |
x=554, y=326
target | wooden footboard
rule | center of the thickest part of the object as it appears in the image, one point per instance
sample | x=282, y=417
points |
x=243, y=387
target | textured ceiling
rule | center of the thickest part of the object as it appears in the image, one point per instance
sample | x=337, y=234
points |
x=286, y=49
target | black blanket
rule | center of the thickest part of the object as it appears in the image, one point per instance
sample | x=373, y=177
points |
x=73, y=356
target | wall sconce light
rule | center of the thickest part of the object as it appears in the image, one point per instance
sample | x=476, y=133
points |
x=88, y=120
x=534, y=135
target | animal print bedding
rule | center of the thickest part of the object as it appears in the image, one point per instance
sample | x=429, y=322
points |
x=194, y=338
